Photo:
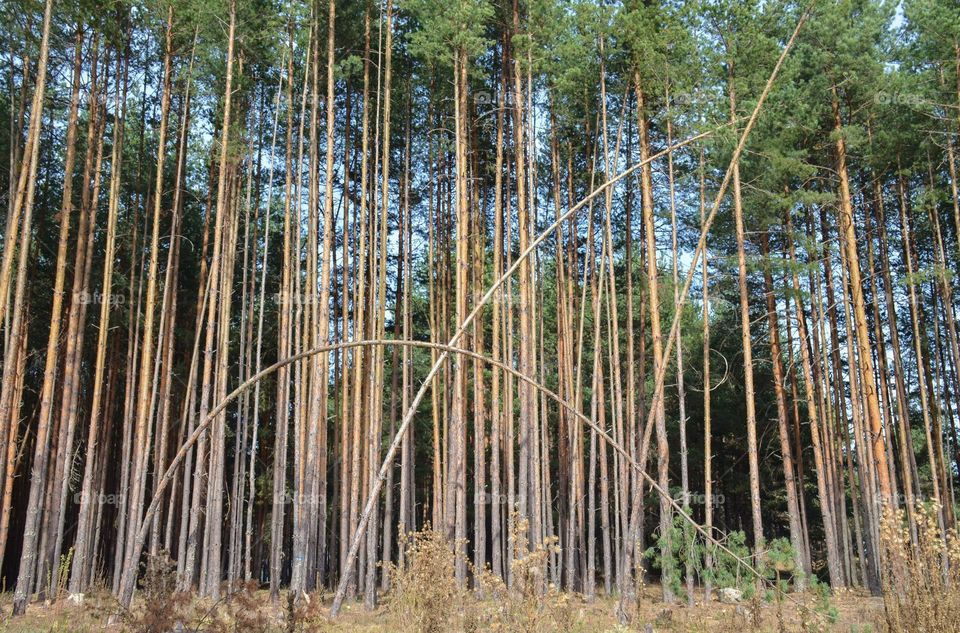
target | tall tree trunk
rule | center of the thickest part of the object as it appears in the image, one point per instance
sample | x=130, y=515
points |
x=248, y=530
x=141, y=439
x=707, y=387
x=813, y=417
x=528, y=500
x=23, y=208
x=283, y=350
x=786, y=452
x=209, y=483
x=82, y=552
x=681, y=396
x=849, y=242
x=745, y=335
x=455, y=501
x=66, y=209
x=663, y=448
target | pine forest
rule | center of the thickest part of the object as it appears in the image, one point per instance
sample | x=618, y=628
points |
x=516, y=315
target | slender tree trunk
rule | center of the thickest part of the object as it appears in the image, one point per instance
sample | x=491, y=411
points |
x=826, y=506
x=849, y=241
x=324, y=312
x=66, y=209
x=23, y=207
x=360, y=302
x=745, y=336
x=786, y=452
x=248, y=531
x=659, y=359
x=681, y=396
x=528, y=500
x=707, y=421
x=141, y=439
x=455, y=500
x=211, y=482
x=283, y=344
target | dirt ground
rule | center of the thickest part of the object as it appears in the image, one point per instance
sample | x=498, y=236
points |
x=852, y=612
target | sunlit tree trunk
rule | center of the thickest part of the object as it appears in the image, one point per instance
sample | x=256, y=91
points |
x=753, y=458
x=786, y=451
x=23, y=207
x=849, y=242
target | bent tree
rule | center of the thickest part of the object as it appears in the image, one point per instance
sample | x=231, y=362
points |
x=281, y=285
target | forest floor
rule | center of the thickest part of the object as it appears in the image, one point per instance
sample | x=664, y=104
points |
x=850, y=612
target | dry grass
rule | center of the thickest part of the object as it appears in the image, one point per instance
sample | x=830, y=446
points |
x=425, y=593
x=427, y=599
x=921, y=588
x=529, y=604
x=561, y=612
x=162, y=607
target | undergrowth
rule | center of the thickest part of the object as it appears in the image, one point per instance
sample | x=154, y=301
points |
x=162, y=608
x=921, y=583
x=426, y=597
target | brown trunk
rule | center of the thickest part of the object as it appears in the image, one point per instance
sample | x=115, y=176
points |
x=8, y=407
x=283, y=350
x=707, y=421
x=745, y=337
x=527, y=471
x=786, y=451
x=141, y=439
x=813, y=418
x=849, y=242
x=455, y=500
x=663, y=448
x=82, y=551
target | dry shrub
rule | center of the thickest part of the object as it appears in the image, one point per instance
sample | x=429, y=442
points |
x=565, y=610
x=531, y=605
x=524, y=606
x=63, y=574
x=305, y=614
x=100, y=604
x=249, y=613
x=425, y=595
x=529, y=567
x=243, y=611
x=162, y=605
x=921, y=583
